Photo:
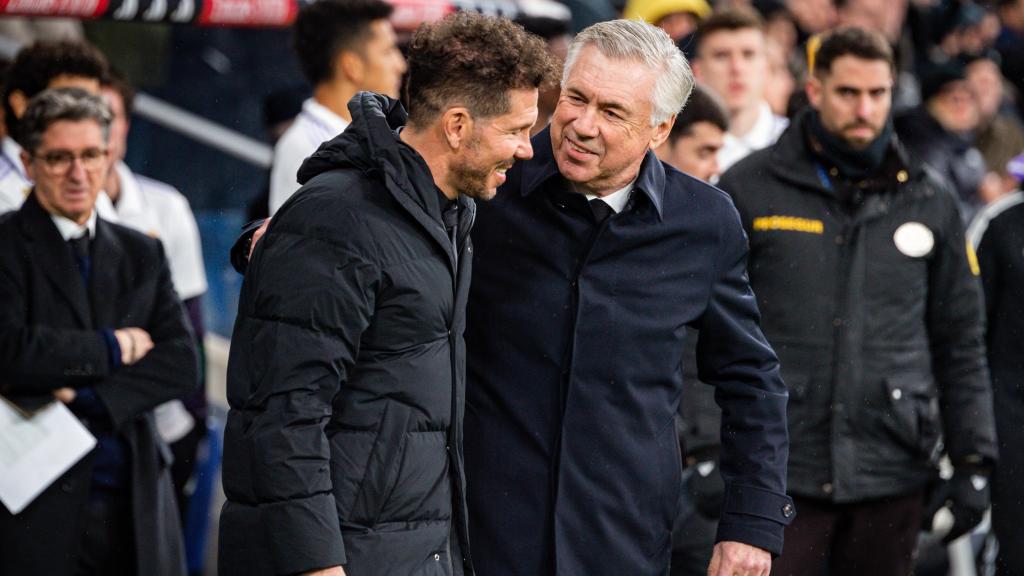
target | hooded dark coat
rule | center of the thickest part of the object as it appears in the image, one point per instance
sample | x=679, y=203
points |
x=346, y=372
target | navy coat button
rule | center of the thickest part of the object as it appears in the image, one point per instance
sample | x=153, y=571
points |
x=437, y=557
x=66, y=486
x=787, y=511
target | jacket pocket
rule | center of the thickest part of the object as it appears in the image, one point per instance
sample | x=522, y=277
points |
x=381, y=467
x=913, y=417
x=421, y=489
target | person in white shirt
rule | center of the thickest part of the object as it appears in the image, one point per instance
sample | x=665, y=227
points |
x=344, y=47
x=161, y=211
x=732, y=60
x=65, y=64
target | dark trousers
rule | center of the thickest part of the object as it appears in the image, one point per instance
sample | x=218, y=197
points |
x=1008, y=482
x=876, y=537
x=693, y=541
x=185, y=452
x=108, y=544
x=693, y=535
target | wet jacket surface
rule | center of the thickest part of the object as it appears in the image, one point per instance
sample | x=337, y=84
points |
x=346, y=372
x=576, y=334
x=876, y=316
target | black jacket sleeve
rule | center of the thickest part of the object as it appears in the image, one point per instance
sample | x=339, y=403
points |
x=733, y=356
x=170, y=370
x=310, y=294
x=956, y=331
x=36, y=359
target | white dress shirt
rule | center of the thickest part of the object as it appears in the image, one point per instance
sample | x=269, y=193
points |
x=14, y=182
x=763, y=134
x=160, y=211
x=313, y=126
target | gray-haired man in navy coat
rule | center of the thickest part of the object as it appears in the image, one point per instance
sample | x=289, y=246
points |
x=590, y=264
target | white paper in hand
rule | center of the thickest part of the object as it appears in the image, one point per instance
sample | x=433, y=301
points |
x=36, y=450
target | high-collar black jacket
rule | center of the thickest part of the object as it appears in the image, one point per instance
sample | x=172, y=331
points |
x=876, y=316
x=346, y=373
x=50, y=338
x=575, y=341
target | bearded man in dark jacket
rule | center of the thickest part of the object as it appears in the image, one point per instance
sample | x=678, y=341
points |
x=346, y=380
x=868, y=293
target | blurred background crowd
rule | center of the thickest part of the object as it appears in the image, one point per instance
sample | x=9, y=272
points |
x=220, y=113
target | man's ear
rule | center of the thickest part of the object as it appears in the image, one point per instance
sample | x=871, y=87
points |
x=814, y=90
x=661, y=132
x=29, y=168
x=457, y=125
x=349, y=64
x=18, y=102
x=695, y=67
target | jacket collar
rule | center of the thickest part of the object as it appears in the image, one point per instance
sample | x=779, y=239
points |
x=371, y=144
x=794, y=161
x=50, y=252
x=537, y=171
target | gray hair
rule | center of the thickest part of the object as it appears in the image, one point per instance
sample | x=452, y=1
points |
x=56, y=104
x=639, y=41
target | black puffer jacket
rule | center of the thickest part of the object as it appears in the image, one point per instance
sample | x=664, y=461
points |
x=876, y=317
x=346, y=374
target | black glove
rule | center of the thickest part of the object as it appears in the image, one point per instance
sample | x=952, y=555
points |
x=966, y=495
x=239, y=255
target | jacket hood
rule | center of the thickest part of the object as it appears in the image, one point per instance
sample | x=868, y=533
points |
x=371, y=144
x=367, y=142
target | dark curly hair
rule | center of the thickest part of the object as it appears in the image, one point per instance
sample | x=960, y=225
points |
x=37, y=65
x=325, y=28
x=473, y=60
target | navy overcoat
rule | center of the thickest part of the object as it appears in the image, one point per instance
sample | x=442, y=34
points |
x=575, y=339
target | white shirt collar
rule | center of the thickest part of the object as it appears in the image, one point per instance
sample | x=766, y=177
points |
x=763, y=133
x=68, y=229
x=321, y=115
x=617, y=200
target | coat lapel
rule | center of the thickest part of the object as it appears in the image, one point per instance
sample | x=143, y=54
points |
x=51, y=254
x=107, y=252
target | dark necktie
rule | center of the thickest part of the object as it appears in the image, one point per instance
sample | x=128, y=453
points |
x=80, y=250
x=601, y=210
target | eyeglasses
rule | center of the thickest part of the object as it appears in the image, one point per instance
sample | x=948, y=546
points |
x=60, y=162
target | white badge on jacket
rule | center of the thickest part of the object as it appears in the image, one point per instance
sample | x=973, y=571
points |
x=914, y=239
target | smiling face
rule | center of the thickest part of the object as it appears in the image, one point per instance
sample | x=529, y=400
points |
x=601, y=128
x=853, y=99
x=495, y=144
